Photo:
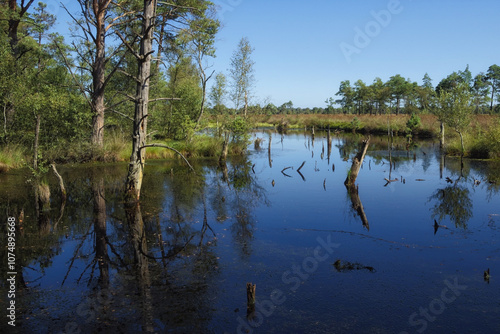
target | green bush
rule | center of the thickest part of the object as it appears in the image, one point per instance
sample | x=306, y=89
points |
x=413, y=123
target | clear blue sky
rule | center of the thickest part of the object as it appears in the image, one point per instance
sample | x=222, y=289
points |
x=298, y=54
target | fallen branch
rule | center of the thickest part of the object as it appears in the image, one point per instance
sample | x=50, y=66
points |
x=169, y=148
x=389, y=181
x=61, y=182
x=283, y=171
x=298, y=170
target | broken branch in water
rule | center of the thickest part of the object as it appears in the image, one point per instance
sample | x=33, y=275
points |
x=283, y=171
x=389, y=181
x=298, y=169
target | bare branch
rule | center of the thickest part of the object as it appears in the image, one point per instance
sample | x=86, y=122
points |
x=129, y=47
x=119, y=113
x=87, y=29
x=79, y=84
x=165, y=99
x=129, y=75
x=170, y=148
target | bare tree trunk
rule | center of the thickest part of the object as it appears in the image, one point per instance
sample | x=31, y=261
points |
x=246, y=103
x=225, y=149
x=203, y=98
x=35, y=145
x=356, y=164
x=462, y=143
x=441, y=141
x=99, y=73
x=138, y=156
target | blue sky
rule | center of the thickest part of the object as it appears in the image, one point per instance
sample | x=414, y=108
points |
x=298, y=54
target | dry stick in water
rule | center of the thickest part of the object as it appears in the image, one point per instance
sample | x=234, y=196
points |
x=283, y=171
x=298, y=170
x=61, y=182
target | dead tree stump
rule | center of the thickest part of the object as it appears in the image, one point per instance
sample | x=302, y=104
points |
x=356, y=164
x=250, y=299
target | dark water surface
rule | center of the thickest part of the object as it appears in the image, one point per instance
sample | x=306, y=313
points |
x=324, y=260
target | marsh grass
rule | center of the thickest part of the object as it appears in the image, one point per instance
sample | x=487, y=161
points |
x=374, y=124
x=12, y=156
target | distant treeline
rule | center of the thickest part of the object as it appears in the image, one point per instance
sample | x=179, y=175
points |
x=401, y=96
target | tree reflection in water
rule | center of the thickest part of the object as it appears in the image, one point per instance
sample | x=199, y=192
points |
x=453, y=201
x=246, y=194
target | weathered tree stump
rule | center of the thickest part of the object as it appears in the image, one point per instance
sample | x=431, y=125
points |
x=356, y=164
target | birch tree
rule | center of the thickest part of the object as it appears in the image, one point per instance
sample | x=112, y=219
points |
x=242, y=74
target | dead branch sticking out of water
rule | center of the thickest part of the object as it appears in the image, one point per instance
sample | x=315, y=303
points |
x=61, y=182
x=298, y=169
x=389, y=181
x=356, y=163
x=283, y=171
x=269, y=151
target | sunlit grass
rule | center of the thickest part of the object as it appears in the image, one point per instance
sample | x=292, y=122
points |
x=12, y=156
x=375, y=124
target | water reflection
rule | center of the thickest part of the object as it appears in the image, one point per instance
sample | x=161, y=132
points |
x=454, y=202
x=247, y=193
x=357, y=206
x=178, y=261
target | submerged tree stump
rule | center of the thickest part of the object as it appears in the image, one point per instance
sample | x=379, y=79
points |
x=356, y=164
x=251, y=298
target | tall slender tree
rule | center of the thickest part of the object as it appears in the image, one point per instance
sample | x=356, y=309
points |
x=95, y=22
x=493, y=76
x=241, y=70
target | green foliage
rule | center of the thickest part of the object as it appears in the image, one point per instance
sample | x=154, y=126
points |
x=218, y=93
x=486, y=145
x=239, y=128
x=413, y=123
x=455, y=107
x=355, y=124
x=181, y=126
x=12, y=156
x=242, y=69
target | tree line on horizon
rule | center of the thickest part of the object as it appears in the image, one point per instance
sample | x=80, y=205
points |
x=397, y=96
x=400, y=95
